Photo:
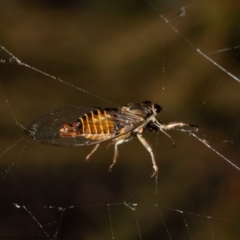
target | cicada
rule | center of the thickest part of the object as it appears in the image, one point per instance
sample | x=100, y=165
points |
x=85, y=126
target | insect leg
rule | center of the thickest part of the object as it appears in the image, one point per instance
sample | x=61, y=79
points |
x=179, y=126
x=176, y=125
x=94, y=150
x=148, y=147
x=115, y=153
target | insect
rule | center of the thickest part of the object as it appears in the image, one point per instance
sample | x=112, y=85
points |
x=84, y=126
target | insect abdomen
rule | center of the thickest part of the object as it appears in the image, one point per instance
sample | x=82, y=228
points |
x=95, y=125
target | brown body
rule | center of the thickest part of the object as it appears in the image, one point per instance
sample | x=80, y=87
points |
x=93, y=125
x=83, y=126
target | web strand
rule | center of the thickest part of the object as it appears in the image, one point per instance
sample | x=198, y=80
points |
x=215, y=151
x=167, y=21
x=84, y=191
x=19, y=62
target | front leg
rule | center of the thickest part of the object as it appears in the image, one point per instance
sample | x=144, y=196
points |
x=179, y=126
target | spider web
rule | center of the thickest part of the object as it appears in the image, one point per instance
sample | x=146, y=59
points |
x=182, y=55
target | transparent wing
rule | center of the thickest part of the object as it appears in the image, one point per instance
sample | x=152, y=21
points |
x=46, y=128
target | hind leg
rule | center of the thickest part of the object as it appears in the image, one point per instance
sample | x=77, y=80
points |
x=115, y=153
x=148, y=147
x=93, y=151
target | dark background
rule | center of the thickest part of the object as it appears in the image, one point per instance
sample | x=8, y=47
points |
x=123, y=52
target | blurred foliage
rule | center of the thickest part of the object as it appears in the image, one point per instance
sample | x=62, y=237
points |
x=123, y=52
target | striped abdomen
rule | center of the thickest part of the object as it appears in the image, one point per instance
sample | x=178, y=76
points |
x=95, y=125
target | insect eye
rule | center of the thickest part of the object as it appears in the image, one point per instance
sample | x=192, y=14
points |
x=157, y=108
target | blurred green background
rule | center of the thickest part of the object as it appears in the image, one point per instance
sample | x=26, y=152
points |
x=123, y=52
